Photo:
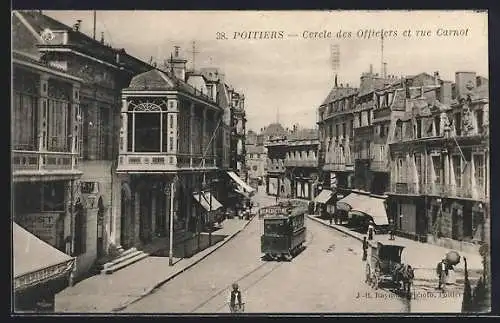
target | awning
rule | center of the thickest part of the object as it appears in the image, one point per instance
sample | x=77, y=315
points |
x=36, y=261
x=247, y=188
x=348, y=202
x=324, y=196
x=207, y=200
x=375, y=208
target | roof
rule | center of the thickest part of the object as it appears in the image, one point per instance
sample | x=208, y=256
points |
x=338, y=92
x=81, y=41
x=253, y=149
x=274, y=129
x=32, y=254
x=303, y=134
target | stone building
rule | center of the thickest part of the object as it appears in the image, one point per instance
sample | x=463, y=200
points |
x=439, y=157
x=301, y=163
x=80, y=132
x=274, y=137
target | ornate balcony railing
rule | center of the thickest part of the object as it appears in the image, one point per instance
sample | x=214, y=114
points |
x=49, y=163
x=338, y=166
x=301, y=163
x=146, y=162
x=380, y=165
x=406, y=188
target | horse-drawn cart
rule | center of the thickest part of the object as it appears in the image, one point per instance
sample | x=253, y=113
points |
x=384, y=266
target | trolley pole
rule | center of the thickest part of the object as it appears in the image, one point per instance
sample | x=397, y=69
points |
x=171, y=225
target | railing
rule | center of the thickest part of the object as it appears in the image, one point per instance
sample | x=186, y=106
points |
x=163, y=161
x=339, y=166
x=301, y=163
x=43, y=161
x=406, y=188
x=379, y=165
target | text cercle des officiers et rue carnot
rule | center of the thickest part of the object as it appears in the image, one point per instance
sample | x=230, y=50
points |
x=341, y=34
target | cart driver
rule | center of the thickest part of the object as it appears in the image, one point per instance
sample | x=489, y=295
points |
x=235, y=298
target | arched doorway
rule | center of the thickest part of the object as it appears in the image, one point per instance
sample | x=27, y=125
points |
x=100, y=228
x=80, y=230
x=125, y=216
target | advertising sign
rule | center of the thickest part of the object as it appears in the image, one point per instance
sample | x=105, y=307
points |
x=43, y=225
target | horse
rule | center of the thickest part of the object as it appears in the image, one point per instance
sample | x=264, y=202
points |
x=404, y=274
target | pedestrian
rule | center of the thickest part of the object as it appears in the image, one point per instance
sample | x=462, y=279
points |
x=442, y=272
x=235, y=299
x=391, y=229
x=371, y=230
x=365, y=248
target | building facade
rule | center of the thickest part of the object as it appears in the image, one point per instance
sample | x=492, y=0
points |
x=238, y=132
x=301, y=163
x=103, y=72
x=439, y=188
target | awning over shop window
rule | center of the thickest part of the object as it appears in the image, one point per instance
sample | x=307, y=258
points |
x=375, y=208
x=35, y=261
x=347, y=203
x=369, y=205
x=245, y=187
x=207, y=201
x=324, y=196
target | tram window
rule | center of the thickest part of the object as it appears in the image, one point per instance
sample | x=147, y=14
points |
x=274, y=226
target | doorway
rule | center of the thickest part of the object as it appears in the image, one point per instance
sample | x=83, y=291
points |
x=125, y=217
x=100, y=228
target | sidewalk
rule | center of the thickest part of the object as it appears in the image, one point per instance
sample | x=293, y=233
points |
x=109, y=293
x=418, y=255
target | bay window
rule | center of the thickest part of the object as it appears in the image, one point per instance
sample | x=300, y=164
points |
x=59, y=116
x=148, y=128
x=25, y=110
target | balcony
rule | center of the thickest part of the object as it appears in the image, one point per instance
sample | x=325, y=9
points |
x=275, y=167
x=160, y=162
x=476, y=192
x=339, y=167
x=380, y=165
x=405, y=189
x=301, y=163
x=61, y=165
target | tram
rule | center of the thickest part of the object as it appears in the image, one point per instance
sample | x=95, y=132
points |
x=284, y=231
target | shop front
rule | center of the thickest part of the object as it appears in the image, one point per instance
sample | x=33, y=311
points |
x=40, y=272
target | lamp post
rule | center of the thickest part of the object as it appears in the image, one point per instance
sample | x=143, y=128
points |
x=171, y=223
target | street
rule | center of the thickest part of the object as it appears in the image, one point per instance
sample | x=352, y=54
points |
x=328, y=276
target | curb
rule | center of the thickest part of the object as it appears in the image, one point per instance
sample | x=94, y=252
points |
x=312, y=217
x=167, y=279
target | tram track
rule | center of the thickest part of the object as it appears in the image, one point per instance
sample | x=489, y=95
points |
x=274, y=266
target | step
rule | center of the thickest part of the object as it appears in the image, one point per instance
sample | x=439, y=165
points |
x=122, y=258
x=125, y=263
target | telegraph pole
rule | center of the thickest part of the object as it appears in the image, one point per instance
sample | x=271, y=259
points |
x=95, y=14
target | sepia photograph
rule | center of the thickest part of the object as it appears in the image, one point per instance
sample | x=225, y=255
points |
x=250, y=162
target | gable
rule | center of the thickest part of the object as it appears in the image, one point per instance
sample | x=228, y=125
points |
x=23, y=40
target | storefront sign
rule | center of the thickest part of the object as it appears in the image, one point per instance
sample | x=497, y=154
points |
x=43, y=225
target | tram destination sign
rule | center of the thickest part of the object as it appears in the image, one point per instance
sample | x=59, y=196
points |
x=273, y=210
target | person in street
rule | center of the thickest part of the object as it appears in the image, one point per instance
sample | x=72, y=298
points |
x=235, y=301
x=442, y=272
x=365, y=248
x=371, y=230
x=391, y=229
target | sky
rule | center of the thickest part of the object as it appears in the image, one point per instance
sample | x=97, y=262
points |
x=287, y=79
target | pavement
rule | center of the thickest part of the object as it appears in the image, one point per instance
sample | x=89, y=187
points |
x=111, y=293
x=421, y=256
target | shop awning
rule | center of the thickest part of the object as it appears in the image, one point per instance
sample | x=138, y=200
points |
x=36, y=261
x=207, y=200
x=324, y=196
x=347, y=203
x=375, y=208
x=247, y=188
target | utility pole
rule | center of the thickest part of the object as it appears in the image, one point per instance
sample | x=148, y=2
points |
x=171, y=223
x=95, y=14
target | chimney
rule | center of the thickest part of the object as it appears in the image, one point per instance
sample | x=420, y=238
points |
x=76, y=27
x=445, y=93
x=436, y=78
x=465, y=82
x=178, y=64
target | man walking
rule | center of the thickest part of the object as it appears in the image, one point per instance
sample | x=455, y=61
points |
x=391, y=229
x=371, y=230
x=235, y=302
x=365, y=248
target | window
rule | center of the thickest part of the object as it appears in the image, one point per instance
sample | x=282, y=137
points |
x=458, y=123
x=457, y=169
x=80, y=230
x=25, y=111
x=330, y=130
x=59, y=116
x=104, y=149
x=437, y=124
x=418, y=166
x=480, y=121
x=351, y=128
x=337, y=132
x=148, y=128
x=401, y=172
x=343, y=130
x=479, y=170
x=436, y=162
x=419, y=128
x=382, y=131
